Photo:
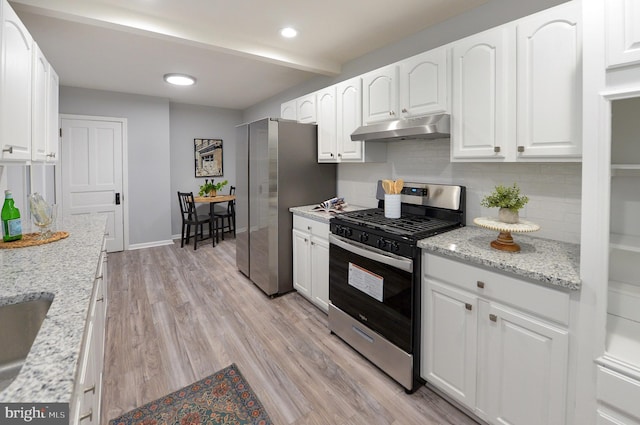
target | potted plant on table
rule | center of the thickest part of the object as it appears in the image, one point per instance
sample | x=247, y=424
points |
x=211, y=189
x=509, y=200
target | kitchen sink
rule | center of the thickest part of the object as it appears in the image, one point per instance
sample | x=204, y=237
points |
x=19, y=325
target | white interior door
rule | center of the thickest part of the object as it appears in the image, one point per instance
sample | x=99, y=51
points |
x=92, y=172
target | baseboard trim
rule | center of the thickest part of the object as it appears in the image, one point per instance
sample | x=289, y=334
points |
x=150, y=244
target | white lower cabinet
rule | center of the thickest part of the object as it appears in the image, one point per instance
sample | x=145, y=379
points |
x=485, y=346
x=618, y=395
x=311, y=260
x=87, y=395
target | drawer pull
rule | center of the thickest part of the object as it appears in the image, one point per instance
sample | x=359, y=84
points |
x=493, y=317
x=480, y=284
x=361, y=333
x=91, y=389
x=308, y=227
x=88, y=415
x=100, y=299
x=468, y=306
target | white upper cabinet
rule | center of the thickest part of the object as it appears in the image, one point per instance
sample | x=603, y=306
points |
x=380, y=95
x=327, y=125
x=15, y=87
x=349, y=117
x=306, y=107
x=339, y=113
x=53, y=105
x=517, y=90
x=423, y=84
x=623, y=32
x=482, y=107
x=549, y=83
x=289, y=110
x=39, y=105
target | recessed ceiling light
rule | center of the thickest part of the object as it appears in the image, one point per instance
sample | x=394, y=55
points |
x=180, y=79
x=288, y=32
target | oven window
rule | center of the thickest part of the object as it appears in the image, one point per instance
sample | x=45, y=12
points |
x=390, y=317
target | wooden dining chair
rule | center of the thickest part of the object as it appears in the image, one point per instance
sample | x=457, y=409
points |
x=229, y=214
x=190, y=217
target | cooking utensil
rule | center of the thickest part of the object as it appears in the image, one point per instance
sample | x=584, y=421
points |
x=388, y=186
x=398, y=185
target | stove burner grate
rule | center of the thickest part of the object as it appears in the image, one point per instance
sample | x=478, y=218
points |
x=407, y=225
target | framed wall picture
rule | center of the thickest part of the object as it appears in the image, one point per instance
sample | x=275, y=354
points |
x=208, y=157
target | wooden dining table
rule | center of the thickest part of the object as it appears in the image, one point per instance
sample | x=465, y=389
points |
x=212, y=200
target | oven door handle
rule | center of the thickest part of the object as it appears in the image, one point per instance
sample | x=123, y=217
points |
x=364, y=251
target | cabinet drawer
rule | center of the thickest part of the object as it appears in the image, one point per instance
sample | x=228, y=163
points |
x=537, y=299
x=619, y=391
x=308, y=225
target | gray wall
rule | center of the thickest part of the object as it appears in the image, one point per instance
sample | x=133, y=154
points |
x=189, y=122
x=491, y=14
x=149, y=191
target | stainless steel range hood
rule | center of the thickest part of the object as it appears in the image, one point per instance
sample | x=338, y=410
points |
x=429, y=127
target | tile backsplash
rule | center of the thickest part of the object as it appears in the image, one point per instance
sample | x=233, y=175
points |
x=554, y=189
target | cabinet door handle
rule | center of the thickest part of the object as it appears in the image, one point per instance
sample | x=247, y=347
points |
x=9, y=149
x=520, y=149
x=91, y=389
x=480, y=284
x=331, y=155
x=493, y=317
x=496, y=149
x=313, y=243
x=392, y=113
x=308, y=227
x=51, y=155
x=306, y=240
x=468, y=306
x=100, y=299
x=88, y=415
x=404, y=110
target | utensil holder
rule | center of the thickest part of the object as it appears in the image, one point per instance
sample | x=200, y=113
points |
x=392, y=205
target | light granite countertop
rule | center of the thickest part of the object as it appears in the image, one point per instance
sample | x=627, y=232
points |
x=321, y=215
x=63, y=271
x=543, y=260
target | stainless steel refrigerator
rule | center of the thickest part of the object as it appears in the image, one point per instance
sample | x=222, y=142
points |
x=277, y=168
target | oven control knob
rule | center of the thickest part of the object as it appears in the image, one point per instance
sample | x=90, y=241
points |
x=395, y=247
x=381, y=243
x=364, y=236
x=348, y=232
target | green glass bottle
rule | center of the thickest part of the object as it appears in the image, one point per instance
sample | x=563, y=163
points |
x=11, y=223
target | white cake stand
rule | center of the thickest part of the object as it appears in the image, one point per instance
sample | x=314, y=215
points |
x=505, y=242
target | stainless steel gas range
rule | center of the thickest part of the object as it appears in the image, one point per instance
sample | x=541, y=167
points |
x=375, y=274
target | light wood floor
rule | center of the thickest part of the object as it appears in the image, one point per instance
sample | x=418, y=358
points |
x=176, y=315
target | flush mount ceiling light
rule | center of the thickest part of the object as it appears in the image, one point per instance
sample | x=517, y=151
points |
x=288, y=32
x=180, y=79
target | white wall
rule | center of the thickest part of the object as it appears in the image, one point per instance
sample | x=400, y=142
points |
x=149, y=191
x=189, y=122
x=554, y=189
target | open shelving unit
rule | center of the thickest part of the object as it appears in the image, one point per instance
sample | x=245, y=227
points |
x=623, y=304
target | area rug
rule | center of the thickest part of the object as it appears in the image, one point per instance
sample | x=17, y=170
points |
x=222, y=398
